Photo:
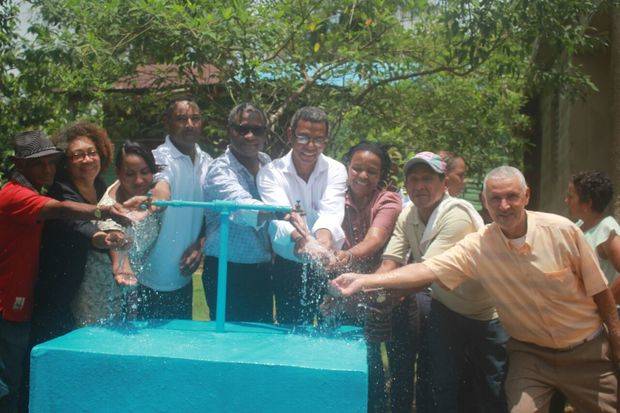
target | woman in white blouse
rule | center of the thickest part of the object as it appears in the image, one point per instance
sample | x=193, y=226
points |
x=588, y=195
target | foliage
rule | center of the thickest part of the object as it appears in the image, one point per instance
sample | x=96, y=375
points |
x=412, y=73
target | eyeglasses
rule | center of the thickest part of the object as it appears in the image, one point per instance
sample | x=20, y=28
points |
x=304, y=140
x=245, y=129
x=79, y=156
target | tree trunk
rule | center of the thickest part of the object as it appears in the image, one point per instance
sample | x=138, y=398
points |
x=615, y=67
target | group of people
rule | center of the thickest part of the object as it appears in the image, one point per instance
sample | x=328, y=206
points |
x=454, y=300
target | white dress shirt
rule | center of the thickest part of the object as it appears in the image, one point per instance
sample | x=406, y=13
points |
x=322, y=198
x=180, y=227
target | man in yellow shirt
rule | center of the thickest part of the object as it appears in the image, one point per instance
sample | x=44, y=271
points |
x=462, y=323
x=549, y=291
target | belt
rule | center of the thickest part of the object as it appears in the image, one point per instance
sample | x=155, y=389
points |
x=591, y=337
x=596, y=334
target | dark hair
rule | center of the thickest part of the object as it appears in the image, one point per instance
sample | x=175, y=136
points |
x=97, y=134
x=173, y=102
x=134, y=148
x=593, y=186
x=310, y=114
x=379, y=150
x=234, y=117
x=450, y=158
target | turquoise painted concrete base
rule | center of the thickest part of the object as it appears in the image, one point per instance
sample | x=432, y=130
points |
x=185, y=366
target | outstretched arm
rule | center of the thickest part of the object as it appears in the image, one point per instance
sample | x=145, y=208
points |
x=404, y=278
x=79, y=211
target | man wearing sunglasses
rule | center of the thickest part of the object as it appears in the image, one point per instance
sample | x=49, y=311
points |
x=232, y=177
x=316, y=183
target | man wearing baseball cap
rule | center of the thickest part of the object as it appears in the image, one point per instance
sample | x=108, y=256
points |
x=23, y=208
x=462, y=322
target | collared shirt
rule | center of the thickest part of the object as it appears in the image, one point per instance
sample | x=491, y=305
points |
x=229, y=180
x=543, y=289
x=322, y=198
x=180, y=227
x=469, y=299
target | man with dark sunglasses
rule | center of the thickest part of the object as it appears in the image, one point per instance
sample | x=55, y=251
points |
x=232, y=177
x=316, y=183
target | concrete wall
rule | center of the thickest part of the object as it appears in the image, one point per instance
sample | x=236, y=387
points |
x=578, y=134
x=185, y=366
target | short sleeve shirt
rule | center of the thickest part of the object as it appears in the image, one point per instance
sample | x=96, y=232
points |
x=180, y=227
x=543, y=289
x=469, y=298
x=20, y=239
x=381, y=212
x=598, y=235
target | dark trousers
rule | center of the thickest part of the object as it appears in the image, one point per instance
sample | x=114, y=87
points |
x=14, y=337
x=298, y=291
x=165, y=305
x=465, y=353
x=249, y=294
x=403, y=349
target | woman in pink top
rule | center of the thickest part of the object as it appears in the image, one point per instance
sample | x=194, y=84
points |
x=370, y=215
x=370, y=210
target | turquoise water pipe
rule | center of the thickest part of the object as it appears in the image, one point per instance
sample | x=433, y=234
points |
x=224, y=208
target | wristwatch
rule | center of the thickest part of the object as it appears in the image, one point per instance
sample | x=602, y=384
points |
x=98, y=213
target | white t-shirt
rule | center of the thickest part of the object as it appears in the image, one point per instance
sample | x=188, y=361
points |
x=596, y=236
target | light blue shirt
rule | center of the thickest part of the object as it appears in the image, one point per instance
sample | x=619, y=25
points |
x=229, y=180
x=180, y=227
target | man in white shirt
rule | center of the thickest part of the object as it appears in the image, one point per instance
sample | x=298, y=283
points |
x=317, y=183
x=165, y=281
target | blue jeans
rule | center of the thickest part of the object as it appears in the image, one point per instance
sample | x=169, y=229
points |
x=468, y=363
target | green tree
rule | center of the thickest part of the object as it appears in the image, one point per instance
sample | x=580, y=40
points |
x=415, y=73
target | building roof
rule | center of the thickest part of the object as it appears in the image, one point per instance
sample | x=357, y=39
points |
x=166, y=76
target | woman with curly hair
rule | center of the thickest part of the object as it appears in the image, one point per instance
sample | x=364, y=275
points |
x=588, y=195
x=87, y=152
x=100, y=297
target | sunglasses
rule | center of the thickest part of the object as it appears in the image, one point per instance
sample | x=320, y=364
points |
x=245, y=129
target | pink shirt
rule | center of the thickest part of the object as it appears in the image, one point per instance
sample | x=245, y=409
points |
x=381, y=212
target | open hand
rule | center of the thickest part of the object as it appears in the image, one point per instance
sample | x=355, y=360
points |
x=347, y=284
x=298, y=222
x=116, y=240
x=125, y=278
x=118, y=213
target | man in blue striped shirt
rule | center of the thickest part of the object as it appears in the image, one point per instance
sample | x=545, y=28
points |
x=232, y=177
